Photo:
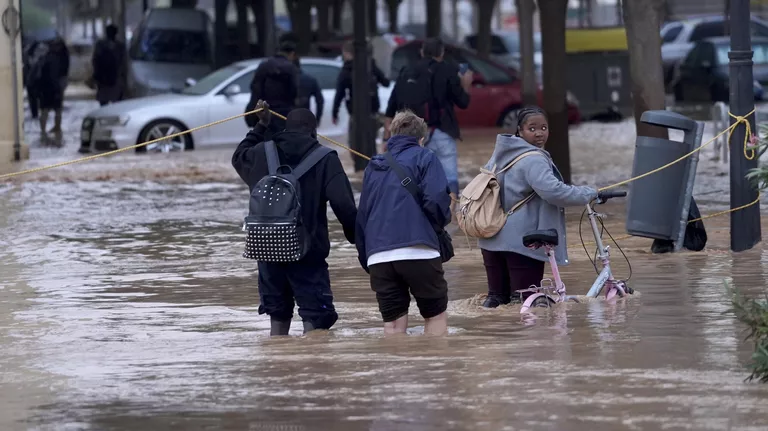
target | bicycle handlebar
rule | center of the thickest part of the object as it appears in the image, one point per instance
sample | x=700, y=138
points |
x=610, y=195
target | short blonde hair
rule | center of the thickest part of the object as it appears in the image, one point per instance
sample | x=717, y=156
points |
x=409, y=124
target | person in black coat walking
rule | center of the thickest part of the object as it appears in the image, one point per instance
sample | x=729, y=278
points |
x=276, y=81
x=306, y=281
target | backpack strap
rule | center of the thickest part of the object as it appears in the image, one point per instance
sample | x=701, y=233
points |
x=311, y=160
x=518, y=158
x=273, y=159
x=528, y=198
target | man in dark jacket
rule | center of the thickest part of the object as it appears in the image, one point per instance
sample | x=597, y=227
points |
x=53, y=81
x=344, y=84
x=449, y=89
x=395, y=237
x=276, y=81
x=308, y=88
x=307, y=281
x=109, y=67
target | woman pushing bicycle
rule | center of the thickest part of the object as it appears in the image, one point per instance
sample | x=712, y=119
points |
x=510, y=266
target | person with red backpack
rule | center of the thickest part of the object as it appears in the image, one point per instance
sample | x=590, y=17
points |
x=430, y=89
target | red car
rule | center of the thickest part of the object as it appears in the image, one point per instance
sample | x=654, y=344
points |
x=495, y=96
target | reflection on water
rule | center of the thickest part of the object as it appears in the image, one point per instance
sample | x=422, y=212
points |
x=127, y=306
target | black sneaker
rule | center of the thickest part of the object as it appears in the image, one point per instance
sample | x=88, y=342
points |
x=84, y=150
x=493, y=301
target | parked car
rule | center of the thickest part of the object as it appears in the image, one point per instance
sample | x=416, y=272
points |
x=703, y=74
x=169, y=46
x=495, y=96
x=679, y=37
x=223, y=93
x=505, y=48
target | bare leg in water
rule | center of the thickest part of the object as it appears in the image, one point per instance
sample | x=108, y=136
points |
x=437, y=325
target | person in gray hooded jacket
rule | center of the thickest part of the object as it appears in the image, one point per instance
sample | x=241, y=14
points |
x=509, y=265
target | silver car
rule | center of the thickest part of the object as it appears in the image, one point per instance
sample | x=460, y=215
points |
x=222, y=94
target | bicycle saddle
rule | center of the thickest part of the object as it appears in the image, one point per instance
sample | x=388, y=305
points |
x=541, y=237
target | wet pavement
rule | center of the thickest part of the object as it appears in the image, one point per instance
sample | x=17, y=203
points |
x=125, y=305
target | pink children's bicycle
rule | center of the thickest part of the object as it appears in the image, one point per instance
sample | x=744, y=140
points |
x=550, y=291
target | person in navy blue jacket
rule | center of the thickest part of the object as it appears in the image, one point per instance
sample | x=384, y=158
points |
x=396, y=242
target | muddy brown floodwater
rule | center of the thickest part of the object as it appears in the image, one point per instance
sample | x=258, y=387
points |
x=125, y=305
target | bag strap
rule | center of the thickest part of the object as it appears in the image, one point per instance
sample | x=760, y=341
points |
x=518, y=158
x=273, y=159
x=528, y=198
x=411, y=186
x=311, y=160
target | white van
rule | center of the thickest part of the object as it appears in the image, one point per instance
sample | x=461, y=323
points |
x=167, y=47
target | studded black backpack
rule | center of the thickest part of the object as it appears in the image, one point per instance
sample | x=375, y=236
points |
x=275, y=231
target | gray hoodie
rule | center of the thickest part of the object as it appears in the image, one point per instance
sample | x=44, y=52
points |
x=545, y=211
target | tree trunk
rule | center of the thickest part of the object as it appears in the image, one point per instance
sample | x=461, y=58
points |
x=264, y=12
x=525, y=12
x=485, y=15
x=642, y=20
x=393, y=6
x=727, y=15
x=434, y=18
x=590, y=4
x=338, y=7
x=220, y=30
x=243, y=47
x=619, y=13
x=455, y=18
x=552, y=16
x=372, y=10
x=323, y=20
x=300, y=12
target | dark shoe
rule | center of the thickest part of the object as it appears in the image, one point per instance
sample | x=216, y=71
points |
x=279, y=327
x=308, y=326
x=493, y=301
x=84, y=150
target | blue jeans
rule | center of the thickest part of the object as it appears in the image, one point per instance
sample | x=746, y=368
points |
x=444, y=147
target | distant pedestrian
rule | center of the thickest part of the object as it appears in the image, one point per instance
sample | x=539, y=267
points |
x=307, y=280
x=431, y=88
x=344, y=89
x=509, y=265
x=53, y=81
x=34, y=56
x=309, y=88
x=397, y=228
x=109, y=63
x=276, y=81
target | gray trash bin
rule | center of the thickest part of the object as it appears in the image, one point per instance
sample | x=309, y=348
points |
x=657, y=201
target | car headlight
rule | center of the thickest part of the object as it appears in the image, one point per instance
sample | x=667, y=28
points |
x=113, y=121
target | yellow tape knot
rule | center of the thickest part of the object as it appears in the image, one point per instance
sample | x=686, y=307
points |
x=750, y=140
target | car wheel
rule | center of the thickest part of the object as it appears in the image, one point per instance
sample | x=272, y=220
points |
x=160, y=128
x=508, y=119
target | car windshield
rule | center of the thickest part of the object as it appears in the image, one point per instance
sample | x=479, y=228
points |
x=171, y=46
x=211, y=81
x=760, y=54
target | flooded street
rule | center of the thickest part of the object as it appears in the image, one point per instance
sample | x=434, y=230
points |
x=125, y=304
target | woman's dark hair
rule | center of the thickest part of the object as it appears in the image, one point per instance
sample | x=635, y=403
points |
x=524, y=113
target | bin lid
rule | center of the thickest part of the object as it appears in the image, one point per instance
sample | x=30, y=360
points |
x=668, y=119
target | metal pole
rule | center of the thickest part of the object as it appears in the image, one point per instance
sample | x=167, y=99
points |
x=745, y=223
x=362, y=137
x=11, y=23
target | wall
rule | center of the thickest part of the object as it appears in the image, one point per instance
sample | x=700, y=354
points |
x=6, y=95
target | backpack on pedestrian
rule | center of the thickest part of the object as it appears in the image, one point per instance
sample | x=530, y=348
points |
x=414, y=91
x=481, y=213
x=275, y=231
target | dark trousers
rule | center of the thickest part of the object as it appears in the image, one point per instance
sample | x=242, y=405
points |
x=509, y=272
x=309, y=284
x=33, y=100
